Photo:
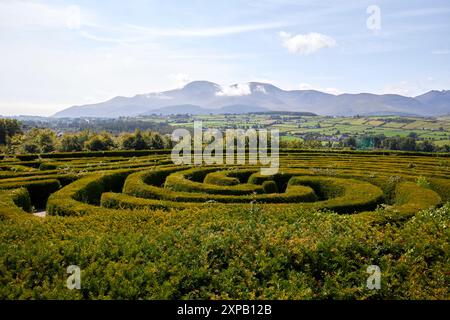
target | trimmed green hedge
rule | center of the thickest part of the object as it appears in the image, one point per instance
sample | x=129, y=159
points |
x=111, y=153
x=147, y=185
x=14, y=202
x=341, y=195
x=39, y=190
x=82, y=196
x=242, y=184
x=114, y=200
x=410, y=198
x=220, y=178
x=48, y=166
x=191, y=181
x=270, y=187
x=27, y=157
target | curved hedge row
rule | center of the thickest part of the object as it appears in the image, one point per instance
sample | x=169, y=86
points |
x=39, y=190
x=342, y=182
x=342, y=195
x=14, y=202
x=410, y=198
x=147, y=185
x=157, y=243
x=82, y=196
x=191, y=180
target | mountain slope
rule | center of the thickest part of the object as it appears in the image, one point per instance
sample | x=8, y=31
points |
x=437, y=102
x=193, y=109
x=257, y=96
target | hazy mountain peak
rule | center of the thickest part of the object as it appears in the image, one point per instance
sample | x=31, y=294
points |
x=201, y=85
x=206, y=96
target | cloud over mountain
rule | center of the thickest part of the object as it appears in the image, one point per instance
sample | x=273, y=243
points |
x=256, y=96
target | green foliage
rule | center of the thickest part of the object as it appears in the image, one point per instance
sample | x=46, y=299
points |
x=224, y=254
x=71, y=142
x=220, y=178
x=422, y=182
x=99, y=142
x=39, y=190
x=270, y=187
x=411, y=198
x=14, y=203
x=143, y=140
x=80, y=197
x=36, y=141
x=309, y=233
x=8, y=128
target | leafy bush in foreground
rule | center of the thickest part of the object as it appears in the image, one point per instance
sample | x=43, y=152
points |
x=245, y=252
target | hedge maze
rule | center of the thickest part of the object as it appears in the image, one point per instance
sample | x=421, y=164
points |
x=141, y=227
x=351, y=183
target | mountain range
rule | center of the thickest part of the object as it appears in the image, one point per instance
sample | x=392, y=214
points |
x=204, y=97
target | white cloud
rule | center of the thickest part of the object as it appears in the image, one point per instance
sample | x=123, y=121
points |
x=307, y=86
x=411, y=88
x=180, y=79
x=306, y=43
x=240, y=89
x=261, y=89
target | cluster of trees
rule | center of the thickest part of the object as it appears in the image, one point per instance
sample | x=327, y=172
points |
x=368, y=142
x=302, y=144
x=115, y=126
x=14, y=139
x=46, y=140
x=408, y=143
x=8, y=128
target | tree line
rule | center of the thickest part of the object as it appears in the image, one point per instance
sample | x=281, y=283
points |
x=14, y=140
x=370, y=142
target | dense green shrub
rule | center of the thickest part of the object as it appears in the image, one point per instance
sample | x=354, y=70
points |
x=220, y=178
x=411, y=198
x=111, y=153
x=147, y=185
x=200, y=245
x=191, y=181
x=39, y=190
x=81, y=196
x=27, y=157
x=14, y=202
x=270, y=187
x=224, y=253
x=342, y=195
x=48, y=166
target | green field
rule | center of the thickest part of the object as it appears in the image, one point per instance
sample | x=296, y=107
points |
x=141, y=228
x=434, y=129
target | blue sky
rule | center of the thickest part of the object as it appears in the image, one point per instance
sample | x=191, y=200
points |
x=55, y=54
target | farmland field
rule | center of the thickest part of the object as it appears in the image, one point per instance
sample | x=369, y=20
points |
x=295, y=125
x=140, y=227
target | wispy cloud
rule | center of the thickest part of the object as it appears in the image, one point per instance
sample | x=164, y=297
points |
x=420, y=12
x=441, y=52
x=16, y=14
x=206, y=31
x=135, y=33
